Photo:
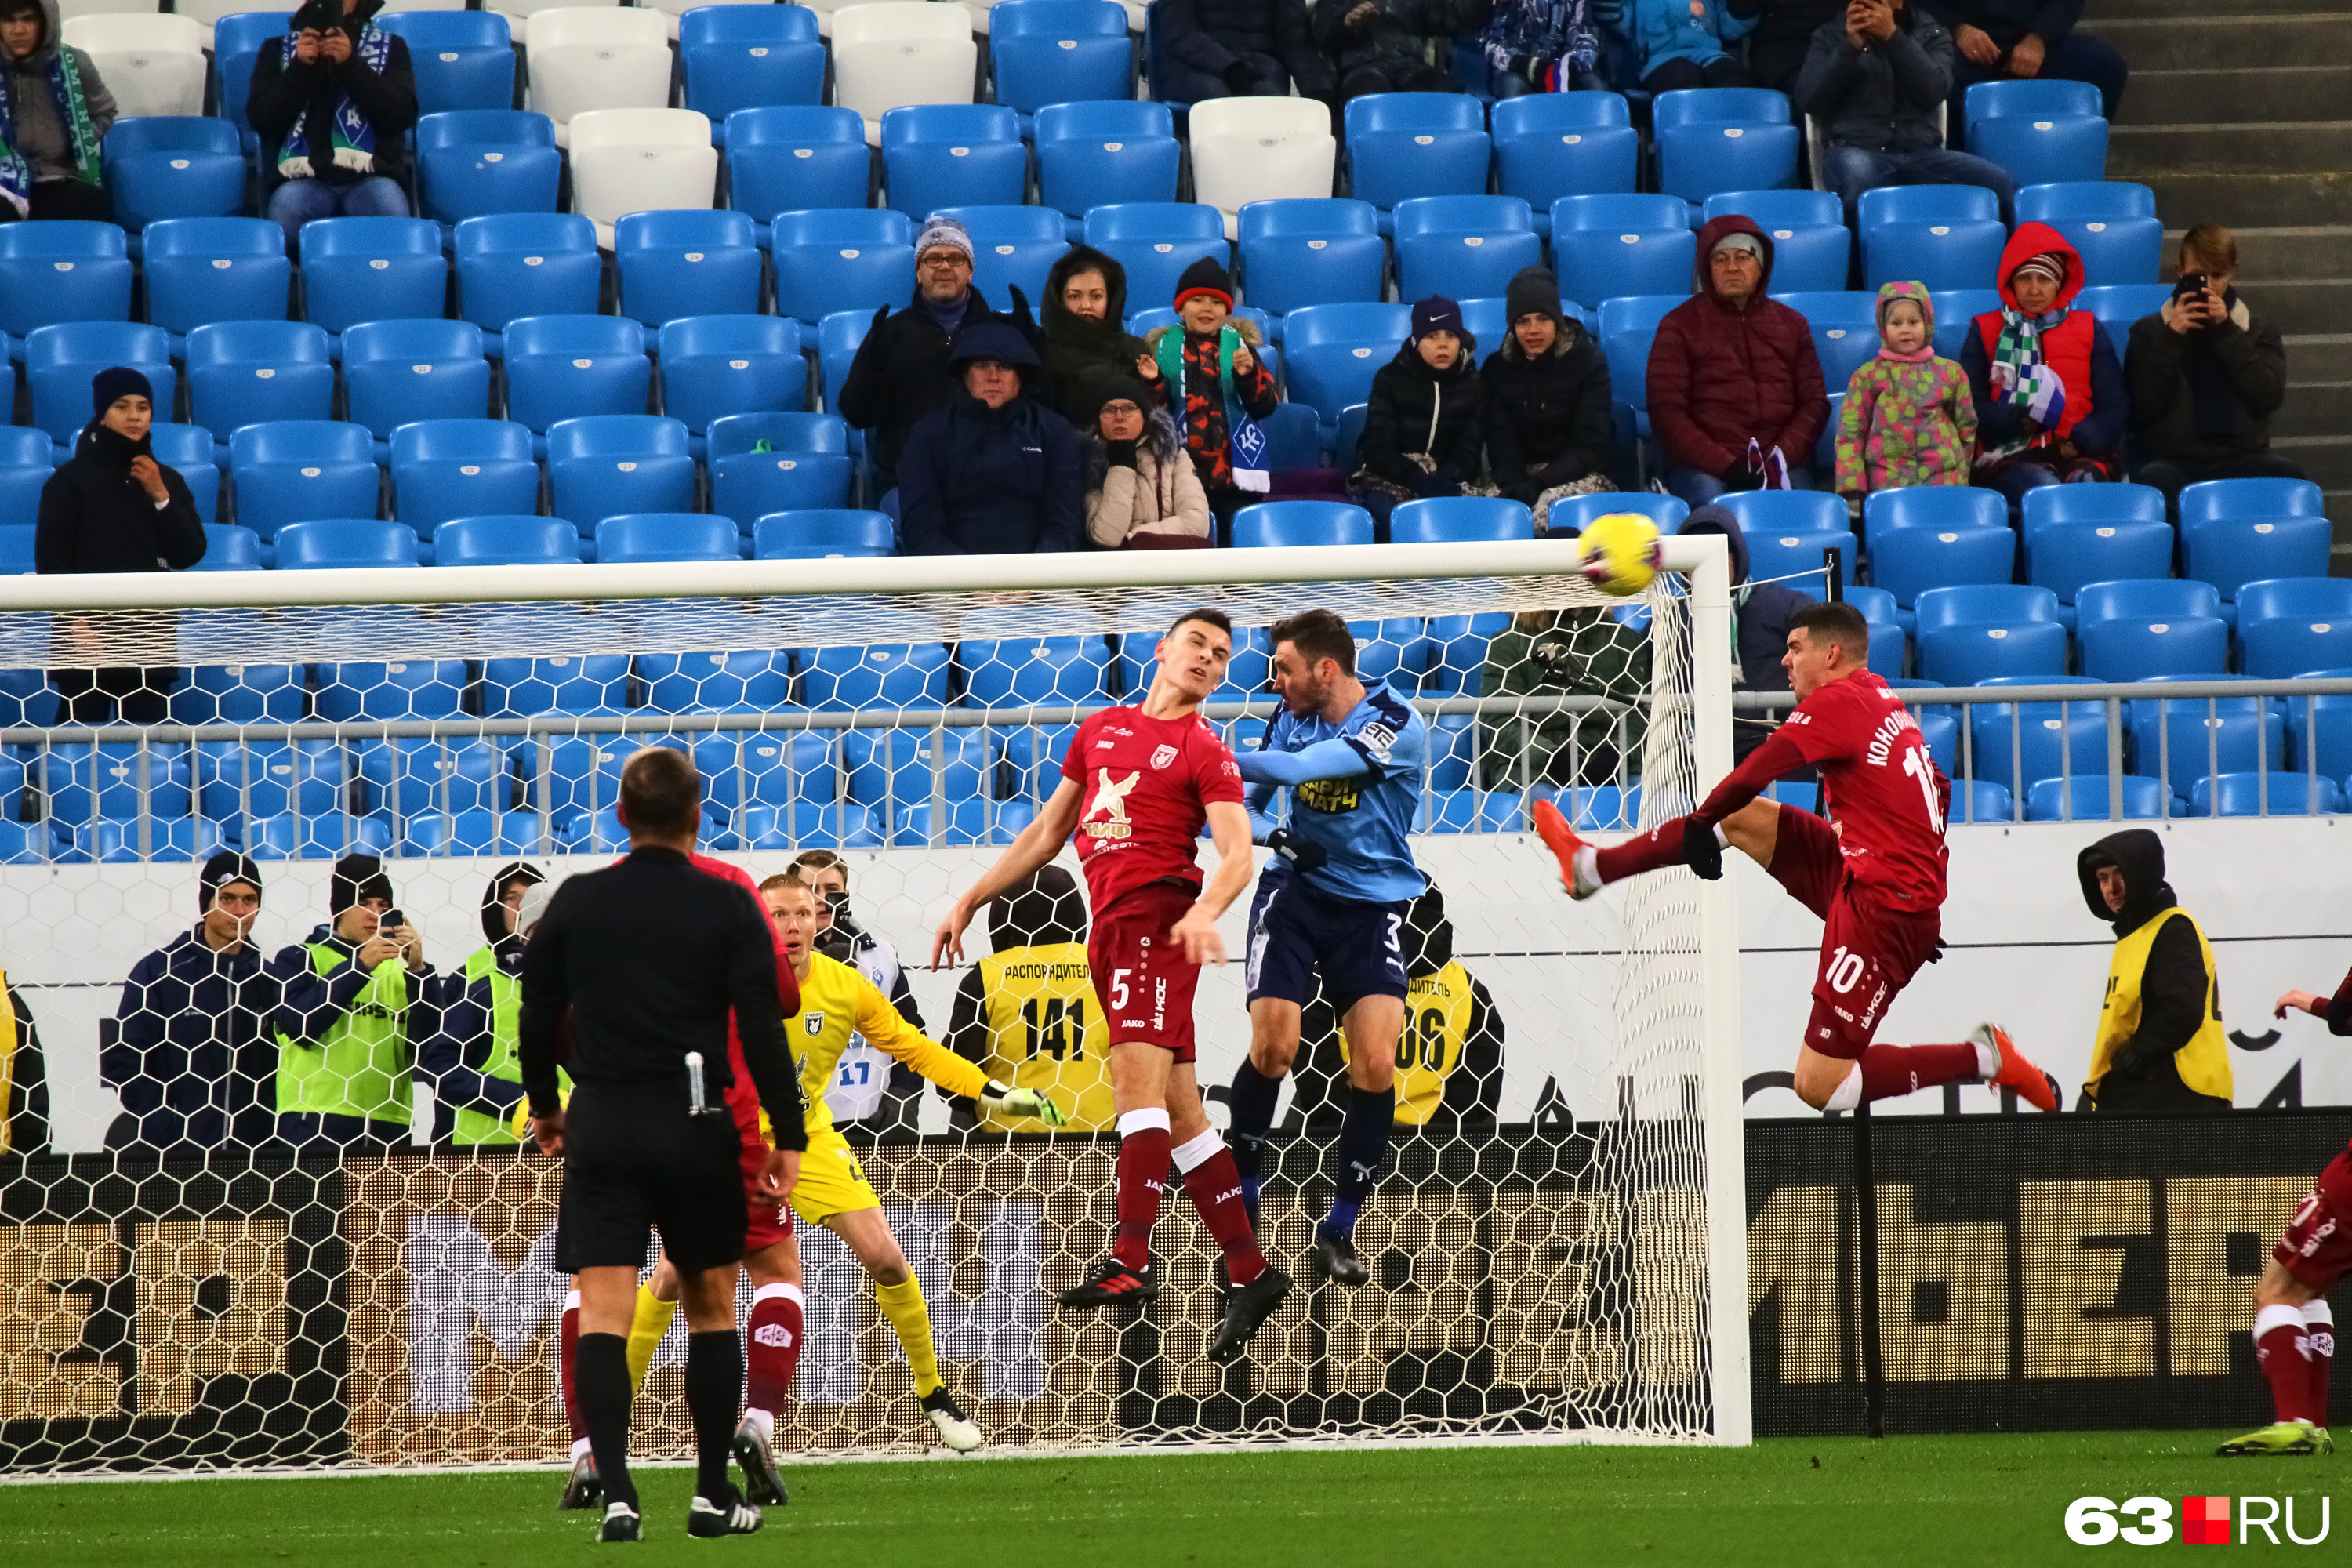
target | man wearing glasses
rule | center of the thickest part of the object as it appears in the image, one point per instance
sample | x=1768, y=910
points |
x=901, y=371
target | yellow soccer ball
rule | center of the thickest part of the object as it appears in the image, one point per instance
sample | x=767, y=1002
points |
x=1619, y=553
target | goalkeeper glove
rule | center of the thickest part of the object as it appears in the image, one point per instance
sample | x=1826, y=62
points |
x=1023, y=1103
x=1701, y=853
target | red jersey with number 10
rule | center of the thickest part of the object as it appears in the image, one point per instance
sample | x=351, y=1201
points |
x=1886, y=793
x=1147, y=786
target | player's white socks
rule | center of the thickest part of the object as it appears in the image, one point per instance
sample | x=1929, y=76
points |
x=1588, y=866
x=766, y=1420
x=1195, y=1152
x=1848, y=1093
x=578, y=1449
x=1987, y=1059
x=1131, y=1121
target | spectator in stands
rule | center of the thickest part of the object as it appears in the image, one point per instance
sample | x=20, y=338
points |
x=1242, y=48
x=1026, y=1014
x=1761, y=614
x=1142, y=492
x=1540, y=45
x=55, y=112
x=1579, y=652
x=1877, y=77
x=883, y=1098
x=995, y=472
x=1736, y=394
x=2048, y=388
x=1547, y=424
x=2005, y=39
x=1216, y=386
x=470, y=1061
x=23, y=1078
x=1086, y=339
x=1783, y=36
x=1425, y=422
x=1681, y=43
x=1376, y=46
x=2160, y=1043
x=346, y=998
x=901, y=371
x=2206, y=376
x=332, y=103
x=1909, y=419
x=186, y=1052
x=111, y=507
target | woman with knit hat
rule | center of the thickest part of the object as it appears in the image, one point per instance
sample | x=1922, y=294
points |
x=1142, y=492
x=1217, y=387
x=1424, y=423
x=2048, y=388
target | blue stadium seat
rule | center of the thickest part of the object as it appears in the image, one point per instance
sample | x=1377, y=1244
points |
x=2026, y=96
x=501, y=833
x=401, y=778
x=408, y=689
x=897, y=767
x=2228, y=551
x=1932, y=506
x=2121, y=649
x=686, y=262
x=398, y=372
x=2086, y=799
x=2063, y=556
x=329, y=544
x=1967, y=635
x=2092, y=503
x=846, y=260
x=1046, y=52
x=104, y=780
x=2032, y=138
x=2112, y=224
x=1945, y=237
x=1724, y=138
x=372, y=269
x=968, y=821
x=1955, y=313
x=2249, y=498
x=511, y=265
x=27, y=461
x=1974, y=800
x=480, y=160
x=299, y=469
x=316, y=837
x=1462, y=247
x=508, y=541
x=1033, y=752
x=1761, y=511
x=560, y=367
x=1090, y=155
x=1401, y=145
x=1795, y=558
x=1294, y=437
x=242, y=372
x=632, y=537
x=2295, y=626
x=796, y=158
x=1573, y=514
x=1475, y=811
x=576, y=775
x=174, y=166
x=1812, y=247
x=236, y=780
x=1287, y=522
x=526, y=687
x=2321, y=729
x=237, y=40
x=809, y=826
x=2015, y=744
x=838, y=340
x=1909, y=561
x=1553, y=145
x=1845, y=329
x=749, y=56
x=191, y=449
x=463, y=59
x=852, y=679
x=822, y=533
x=19, y=556
x=2186, y=739
x=1155, y=241
x=1460, y=520
x=603, y=833
x=939, y=155
x=712, y=366
x=1484, y=319
x=716, y=682
x=806, y=464
x=1395, y=651
x=1332, y=351
x=1015, y=245
x=1628, y=325
x=1347, y=436
x=1005, y=667
x=766, y=767
x=26, y=699
x=2146, y=599
x=62, y=271
x=600, y=466
x=443, y=468
x=2266, y=794
x=203, y=269
x=2117, y=306
x=1609, y=247
x=2294, y=598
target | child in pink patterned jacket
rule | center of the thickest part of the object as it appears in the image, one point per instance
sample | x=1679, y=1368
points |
x=1908, y=417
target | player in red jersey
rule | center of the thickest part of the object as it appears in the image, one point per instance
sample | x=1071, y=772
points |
x=2295, y=1328
x=1873, y=872
x=1137, y=786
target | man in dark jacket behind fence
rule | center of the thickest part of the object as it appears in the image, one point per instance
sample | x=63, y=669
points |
x=900, y=373
x=2161, y=1046
x=995, y=472
x=1241, y=49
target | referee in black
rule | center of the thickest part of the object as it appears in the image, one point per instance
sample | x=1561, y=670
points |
x=651, y=955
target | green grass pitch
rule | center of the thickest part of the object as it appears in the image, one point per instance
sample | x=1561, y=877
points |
x=1912, y=1501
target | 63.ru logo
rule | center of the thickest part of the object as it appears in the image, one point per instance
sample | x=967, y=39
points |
x=2204, y=1520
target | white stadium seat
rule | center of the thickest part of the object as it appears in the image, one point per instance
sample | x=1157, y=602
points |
x=597, y=58
x=640, y=160
x=1260, y=149
x=519, y=13
x=152, y=63
x=899, y=52
x=673, y=9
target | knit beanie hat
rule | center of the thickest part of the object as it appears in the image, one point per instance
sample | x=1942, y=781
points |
x=940, y=231
x=2049, y=264
x=1206, y=275
x=226, y=866
x=1533, y=291
x=1437, y=314
x=117, y=381
x=356, y=880
x=1116, y=388
x=1740, y=239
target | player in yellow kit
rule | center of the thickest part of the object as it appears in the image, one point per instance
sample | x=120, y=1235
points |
x=836, y=1001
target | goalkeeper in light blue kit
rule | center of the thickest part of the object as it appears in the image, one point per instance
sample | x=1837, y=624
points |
x=1331, y=903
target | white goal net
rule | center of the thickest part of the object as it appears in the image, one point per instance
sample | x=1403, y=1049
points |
x=1557, y=1241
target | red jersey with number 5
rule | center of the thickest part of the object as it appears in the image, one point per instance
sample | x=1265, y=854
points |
x=1887, y=796
x=1147, y=786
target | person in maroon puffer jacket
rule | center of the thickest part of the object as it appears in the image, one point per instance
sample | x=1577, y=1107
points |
x=1731, y=368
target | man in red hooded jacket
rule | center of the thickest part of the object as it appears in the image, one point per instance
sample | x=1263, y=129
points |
x=2049, y=389
x=1734, y=388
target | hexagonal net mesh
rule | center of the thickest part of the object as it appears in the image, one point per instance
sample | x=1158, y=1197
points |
x=242, y=1225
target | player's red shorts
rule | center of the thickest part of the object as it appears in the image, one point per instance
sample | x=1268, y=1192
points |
x=770, y=1223
x=1869, y=953
x=1140, y=975
x=2317, y=1246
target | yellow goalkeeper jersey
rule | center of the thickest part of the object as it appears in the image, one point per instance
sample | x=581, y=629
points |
x=837, y=1001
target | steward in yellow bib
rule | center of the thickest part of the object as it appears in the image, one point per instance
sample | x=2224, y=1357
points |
x=2161, y=1045
x=1026, y=1015
x=23, y=1083
x=344, y=1052
x=470, y=1061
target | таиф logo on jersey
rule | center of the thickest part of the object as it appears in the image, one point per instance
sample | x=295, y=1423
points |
x=1110, y=797
x=2204, y=1520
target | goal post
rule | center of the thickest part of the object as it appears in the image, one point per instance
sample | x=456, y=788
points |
x=1560, y=1238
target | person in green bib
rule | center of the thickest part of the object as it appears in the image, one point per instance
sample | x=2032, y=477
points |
x=348, y=996
x=54, y=116
x=470, y=1063
x=2161, y=1046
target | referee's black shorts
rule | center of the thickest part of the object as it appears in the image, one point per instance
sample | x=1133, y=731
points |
x=630, y=1168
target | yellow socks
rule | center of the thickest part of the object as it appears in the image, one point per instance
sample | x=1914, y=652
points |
x=646, y=1331
x=911, y=1320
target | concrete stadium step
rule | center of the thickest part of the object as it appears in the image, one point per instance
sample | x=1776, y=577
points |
x=2208, y=42
x=2328, y=460
x=2244, y=201
x=2269, y=147
x=2305, y=305
x=2244, y=96
x=2313, y=407
x=2265, y=254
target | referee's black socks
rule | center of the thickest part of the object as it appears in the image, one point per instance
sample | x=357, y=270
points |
x=714, y=1377
x=600, y=1366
